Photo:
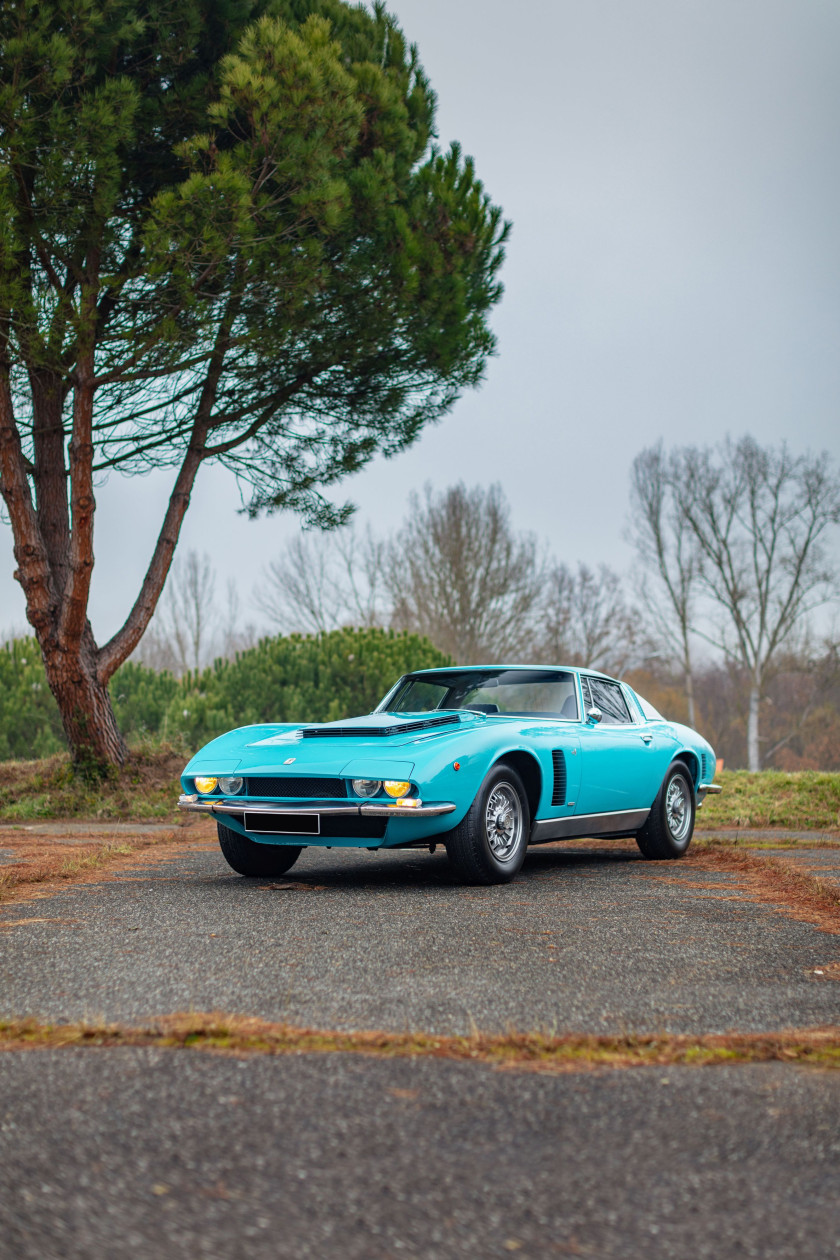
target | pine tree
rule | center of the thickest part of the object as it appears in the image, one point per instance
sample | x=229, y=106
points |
x=223, y=236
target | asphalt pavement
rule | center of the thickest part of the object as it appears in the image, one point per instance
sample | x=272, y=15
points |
x=171, y=1153
x=584, y=940
x=149, y=1153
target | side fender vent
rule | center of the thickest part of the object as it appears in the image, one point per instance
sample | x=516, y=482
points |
x=558, y=795
x=704, y=768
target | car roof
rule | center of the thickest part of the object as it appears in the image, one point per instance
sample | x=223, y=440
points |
x=463, y=669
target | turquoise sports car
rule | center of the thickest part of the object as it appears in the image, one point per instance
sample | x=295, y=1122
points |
x=484, y=760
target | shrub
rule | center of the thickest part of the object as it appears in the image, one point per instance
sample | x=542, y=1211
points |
x=294, y=678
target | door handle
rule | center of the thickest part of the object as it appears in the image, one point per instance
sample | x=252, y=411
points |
x=646, y=738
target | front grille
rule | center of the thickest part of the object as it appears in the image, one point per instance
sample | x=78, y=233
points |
x=285, y=787
x=377, y=732
x=558, y=795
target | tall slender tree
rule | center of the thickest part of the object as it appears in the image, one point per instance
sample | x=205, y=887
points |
x=760, y=517
x=223, y=236
x=670, y=555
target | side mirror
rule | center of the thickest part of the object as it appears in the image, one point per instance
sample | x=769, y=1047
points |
x=594, y=715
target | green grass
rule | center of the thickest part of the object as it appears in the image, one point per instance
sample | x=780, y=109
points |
x=801, y=801
x=145, y=788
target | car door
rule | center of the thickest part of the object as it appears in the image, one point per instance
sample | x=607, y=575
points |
x=619, y=761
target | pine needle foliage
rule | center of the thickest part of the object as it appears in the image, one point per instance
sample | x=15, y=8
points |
x=225, y=235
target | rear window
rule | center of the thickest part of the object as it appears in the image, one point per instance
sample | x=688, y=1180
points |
x=652, y=715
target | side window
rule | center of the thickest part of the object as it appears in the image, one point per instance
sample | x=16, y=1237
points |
x=607, y=696
x=587, y=694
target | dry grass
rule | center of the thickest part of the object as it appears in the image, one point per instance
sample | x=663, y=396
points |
x=147, y=787
x=43, y=866
x=234, y=1034
x=778, y=882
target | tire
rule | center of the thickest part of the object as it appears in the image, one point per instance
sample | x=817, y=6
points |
x=249, y=858
x=488, y=845
x=670, y=823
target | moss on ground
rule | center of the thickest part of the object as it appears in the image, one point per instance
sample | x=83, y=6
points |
x=234, y=1034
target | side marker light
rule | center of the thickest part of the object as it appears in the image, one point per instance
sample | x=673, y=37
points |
x=456, y=765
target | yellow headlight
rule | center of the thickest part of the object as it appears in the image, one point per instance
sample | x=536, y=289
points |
x=205, y=783
x=396, y=789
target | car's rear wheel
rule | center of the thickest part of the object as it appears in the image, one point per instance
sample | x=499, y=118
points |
x=249, y=858
x=670, y=824
x=488, y=845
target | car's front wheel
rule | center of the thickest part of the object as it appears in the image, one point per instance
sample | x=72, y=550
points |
x=488, y=845
x=670, y=824
x=249, y=858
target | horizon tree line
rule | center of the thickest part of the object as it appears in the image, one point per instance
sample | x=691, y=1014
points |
x=733, y=555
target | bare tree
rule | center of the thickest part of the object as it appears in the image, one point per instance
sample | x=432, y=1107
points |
x=183, y=632
x=760, y=517
x=586, y=621
x=363, y=560
x=670, y=555
x=232, y=636
x=322, y=581
x=459, y=574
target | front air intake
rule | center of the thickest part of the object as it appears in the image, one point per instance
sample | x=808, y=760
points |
x=558, y=795
x=318, y=789
x=377, y=732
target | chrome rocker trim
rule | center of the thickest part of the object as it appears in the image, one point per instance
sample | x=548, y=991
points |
x=586, y=825
x=396, y=810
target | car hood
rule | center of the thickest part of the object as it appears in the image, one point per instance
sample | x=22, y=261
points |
x=344, y=747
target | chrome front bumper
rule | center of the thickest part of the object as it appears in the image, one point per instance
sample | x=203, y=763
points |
x=395, y=810
x=711, y=788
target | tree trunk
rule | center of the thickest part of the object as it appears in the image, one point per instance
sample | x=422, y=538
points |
x=84, y=704
x=688, y=673
x=689, y=695
x=753, y=752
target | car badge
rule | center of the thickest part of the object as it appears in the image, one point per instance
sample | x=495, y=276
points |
x=289, y=761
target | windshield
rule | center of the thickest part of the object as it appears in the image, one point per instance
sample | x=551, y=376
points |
x=513, y=692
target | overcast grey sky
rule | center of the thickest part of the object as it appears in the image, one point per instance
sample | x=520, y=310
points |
x=672, y=171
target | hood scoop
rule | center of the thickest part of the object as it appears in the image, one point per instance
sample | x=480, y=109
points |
x=378, y=732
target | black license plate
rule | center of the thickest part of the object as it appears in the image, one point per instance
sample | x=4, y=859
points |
x=263, y=824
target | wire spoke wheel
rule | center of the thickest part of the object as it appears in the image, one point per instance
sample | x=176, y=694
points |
x=678, y=809
x=668, y=828
x=488, y=845
x=503, y=821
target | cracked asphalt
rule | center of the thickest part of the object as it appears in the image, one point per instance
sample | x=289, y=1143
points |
x=171, y=1153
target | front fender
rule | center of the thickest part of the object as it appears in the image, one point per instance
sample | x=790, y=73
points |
x=475, y=755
